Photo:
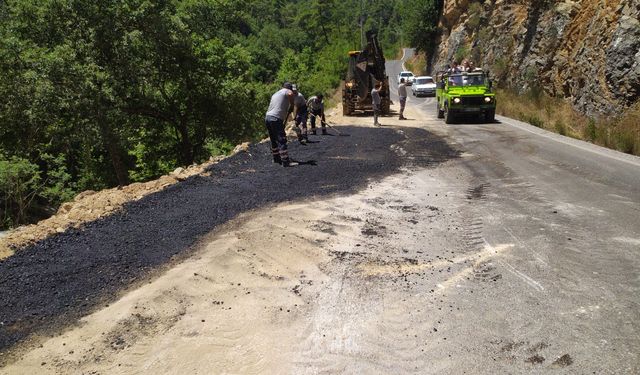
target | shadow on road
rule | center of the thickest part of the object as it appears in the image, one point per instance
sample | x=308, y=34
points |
x=471, y=120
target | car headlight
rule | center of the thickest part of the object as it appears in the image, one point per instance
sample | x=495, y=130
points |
x=487, y=99
x=456, y=100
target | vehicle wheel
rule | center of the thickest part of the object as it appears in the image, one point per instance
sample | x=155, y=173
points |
x=448, y=116
x=440, y=112
x=490, y=116
x=348, y=109
x=386, y=106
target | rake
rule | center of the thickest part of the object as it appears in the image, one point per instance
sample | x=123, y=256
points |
x=340, y=134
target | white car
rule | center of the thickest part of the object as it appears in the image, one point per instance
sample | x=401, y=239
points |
x=423, y=86
x=408, y=77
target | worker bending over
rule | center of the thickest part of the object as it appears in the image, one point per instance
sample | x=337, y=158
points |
x=317, y=110
x=276, y=115
x=300, y=115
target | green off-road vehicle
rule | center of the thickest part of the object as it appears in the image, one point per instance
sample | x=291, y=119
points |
x=465, y=93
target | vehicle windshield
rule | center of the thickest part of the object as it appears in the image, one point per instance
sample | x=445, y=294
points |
x=423, y=81
x=406, y=74
x=466, y=80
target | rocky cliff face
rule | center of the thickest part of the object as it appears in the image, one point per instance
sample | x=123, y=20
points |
x=587, y=51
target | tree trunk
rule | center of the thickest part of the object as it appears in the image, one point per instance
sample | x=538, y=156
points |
x=112, y=144
x=185, y=147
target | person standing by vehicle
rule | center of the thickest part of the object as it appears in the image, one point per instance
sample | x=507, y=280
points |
x=300, y=115
x=276, y=115
x=375, y=101
x=402, y=93
x=317, y=110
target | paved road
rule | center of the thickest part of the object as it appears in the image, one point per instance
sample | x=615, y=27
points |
x=413, y=248
x=569, y=211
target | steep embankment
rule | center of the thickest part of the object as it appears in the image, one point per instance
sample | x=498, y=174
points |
x=585, y=51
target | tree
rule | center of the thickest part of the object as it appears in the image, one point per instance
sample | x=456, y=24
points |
x=19, y=182
x=421, y=24
x=97, y=94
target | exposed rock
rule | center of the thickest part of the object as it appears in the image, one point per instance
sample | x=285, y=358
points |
x=623, y=61
x=585, y=51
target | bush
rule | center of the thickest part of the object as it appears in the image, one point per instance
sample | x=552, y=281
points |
x=475, y=15
x=461, y=53
x=500, y=67
x=590, y=130
x=619, y=132
x=19, y=183
x=216, y=147
x=535, y=121
x=58, y=187
x=625, y=141
x=560, y=128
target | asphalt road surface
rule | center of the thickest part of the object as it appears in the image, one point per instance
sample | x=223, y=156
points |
x=413, y=248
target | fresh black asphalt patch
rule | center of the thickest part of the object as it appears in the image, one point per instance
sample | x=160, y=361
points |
x=51, y=284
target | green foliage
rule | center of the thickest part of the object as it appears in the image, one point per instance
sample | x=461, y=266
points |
x=625, y=141
x=19, y=182
x=560, y=128
x=475, y=12
x=590, y=131
x=59, y=186
x=500, y=67
x=216, y=147
x=535, y=121
x=98, y=94
x=484, y=35
x=461, y=53
x=420, y=20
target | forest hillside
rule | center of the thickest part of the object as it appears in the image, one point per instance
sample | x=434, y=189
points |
x=96, y=95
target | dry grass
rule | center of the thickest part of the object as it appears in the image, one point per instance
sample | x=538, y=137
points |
x=417, y=64
x=620, y=133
